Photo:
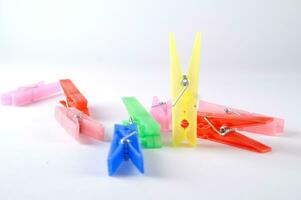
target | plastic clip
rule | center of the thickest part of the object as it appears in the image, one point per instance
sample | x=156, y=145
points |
x=76, y=122
x=29, y=94
x=125, y=146
x=74, y=97
x=149, y=129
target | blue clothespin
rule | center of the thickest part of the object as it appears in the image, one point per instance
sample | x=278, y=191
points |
x=125, y=145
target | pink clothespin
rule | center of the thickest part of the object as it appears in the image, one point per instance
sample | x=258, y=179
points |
x=275, y=127
x=76, y=122
x=161, y=112
x=29, y=94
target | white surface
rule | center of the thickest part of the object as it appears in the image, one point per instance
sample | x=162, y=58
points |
x=250, y=59
x=39, y=160
x=262, y=33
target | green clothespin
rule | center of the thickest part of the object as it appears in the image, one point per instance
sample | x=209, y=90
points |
x=148, y=128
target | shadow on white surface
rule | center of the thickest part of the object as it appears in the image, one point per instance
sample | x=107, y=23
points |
x=153, y=163
x=291, y=133
x=85, y=140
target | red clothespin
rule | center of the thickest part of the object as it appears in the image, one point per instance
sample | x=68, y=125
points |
x=222, y=128
x=74, y=98
x=272, y=128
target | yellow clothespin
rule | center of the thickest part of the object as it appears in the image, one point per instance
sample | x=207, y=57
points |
x=184, y=94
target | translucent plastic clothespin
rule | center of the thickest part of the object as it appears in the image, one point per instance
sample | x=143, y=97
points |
x=149, y=129
x=74, y=97
x=125, y=146
x=161, y=112
x=273, y=127
x=76, y=122
x=223, y=128
x=184, y=92
x=29, y=94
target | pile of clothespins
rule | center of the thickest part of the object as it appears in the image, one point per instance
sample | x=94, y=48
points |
x=181, y=115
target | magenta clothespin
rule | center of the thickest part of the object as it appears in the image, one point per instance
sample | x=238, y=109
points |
x=76, y=122
x=161, y=112
x=29, y=94
x=275, y=127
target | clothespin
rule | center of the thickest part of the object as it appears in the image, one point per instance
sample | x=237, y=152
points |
x=216, y=121
x=273, y=127
x=184, y=93
x=76, y=122
x=125, y=145
x=74, y=98
x=222, y=128
x=161, y=112
x=29, y=94
x=148, y=128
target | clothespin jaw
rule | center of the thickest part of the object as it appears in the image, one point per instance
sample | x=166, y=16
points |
x=29, y=94
x=274, y=127
x=76, y=122
x=125, y=145
x=222, y=128
x=74, y=97
x=68, y=120
x=184, y=93
x=148, y=128
x=161, y=112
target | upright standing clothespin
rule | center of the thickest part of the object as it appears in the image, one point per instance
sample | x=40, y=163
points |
x=184, y=94
x=74, y=97
x=273, y=127
x=125, y=145
x=28, y=94
x=223, y=128
x=161, y=112
x=76, y=122
x=149, y=129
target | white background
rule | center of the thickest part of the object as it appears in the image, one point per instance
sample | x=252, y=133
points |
x=249, y=60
